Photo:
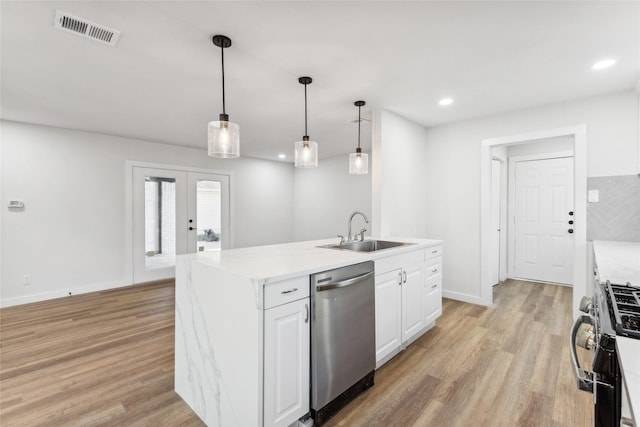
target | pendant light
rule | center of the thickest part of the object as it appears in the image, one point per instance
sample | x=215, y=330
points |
x=224, y=136
x=359, y=161
x=306, y=152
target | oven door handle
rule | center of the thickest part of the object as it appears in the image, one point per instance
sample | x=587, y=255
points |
x=584, y=378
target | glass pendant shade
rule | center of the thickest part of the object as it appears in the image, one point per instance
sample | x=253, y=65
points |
x=358, y=163
x=224, y=139
x=306, y=154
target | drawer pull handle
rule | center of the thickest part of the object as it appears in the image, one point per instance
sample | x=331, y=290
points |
x=434, y=286
x=289, y=291
x=434, y=252
x=435, y=270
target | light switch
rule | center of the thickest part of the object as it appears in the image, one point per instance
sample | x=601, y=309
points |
x=593, y=196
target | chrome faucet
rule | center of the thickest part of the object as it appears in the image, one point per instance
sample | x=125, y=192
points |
x=366, y=220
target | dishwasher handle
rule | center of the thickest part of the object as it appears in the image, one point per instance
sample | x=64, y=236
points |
x=343, y=283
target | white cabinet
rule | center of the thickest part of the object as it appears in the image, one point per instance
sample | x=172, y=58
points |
x=286, y=358
x=388, y=314
x=412, y=301
x=433, y=289
x=400, y=302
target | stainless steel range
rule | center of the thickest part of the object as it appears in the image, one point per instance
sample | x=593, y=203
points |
x=613, y=311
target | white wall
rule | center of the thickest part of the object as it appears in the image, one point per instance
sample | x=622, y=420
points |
x=71, y=235
x=452, y=164
x=400, y=199
x=541, y=146
x=324, y=198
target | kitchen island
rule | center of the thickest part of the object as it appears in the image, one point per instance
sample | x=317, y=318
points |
x=225, y=368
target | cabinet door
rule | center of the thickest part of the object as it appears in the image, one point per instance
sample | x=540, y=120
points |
x=388, y=318
x=286, y=363
x=412, y=300
x=433, y=299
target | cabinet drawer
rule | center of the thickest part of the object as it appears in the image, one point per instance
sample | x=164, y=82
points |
x=393, y=262
x=433, y=267
x=285, y=291
x=434, y=251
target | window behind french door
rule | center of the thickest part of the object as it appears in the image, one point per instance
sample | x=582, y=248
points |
x=176, y=212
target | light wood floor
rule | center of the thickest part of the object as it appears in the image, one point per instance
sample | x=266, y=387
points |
x=106, y=359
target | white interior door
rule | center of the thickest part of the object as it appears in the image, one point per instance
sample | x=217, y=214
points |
x=544, y=219
x=496, y=184
x=176, y=212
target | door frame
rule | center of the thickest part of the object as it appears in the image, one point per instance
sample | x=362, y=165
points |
x=511, y=235
x=496, y=258
x=128, y=211
x=579, y=134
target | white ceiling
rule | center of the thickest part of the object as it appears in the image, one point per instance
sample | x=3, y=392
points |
x=162, y=80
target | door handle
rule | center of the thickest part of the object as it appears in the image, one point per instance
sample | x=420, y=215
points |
x=400, y=278
x=190, y=228
x=570, y=231
x=571, y=222
x=342, y=283
x=404, y=275
x=306, y=309
x=570, y=213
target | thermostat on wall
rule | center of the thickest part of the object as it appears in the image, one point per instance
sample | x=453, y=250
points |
x=16, y=204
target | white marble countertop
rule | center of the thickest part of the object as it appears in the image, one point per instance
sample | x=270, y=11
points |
x=629, y=356
x=618, y=262
x=284, y=261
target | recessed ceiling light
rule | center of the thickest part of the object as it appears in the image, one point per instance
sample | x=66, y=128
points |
x=601, y=65
x=446, y=101
x=282, y=156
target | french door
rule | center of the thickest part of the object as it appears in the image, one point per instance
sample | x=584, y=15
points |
x=176, y=212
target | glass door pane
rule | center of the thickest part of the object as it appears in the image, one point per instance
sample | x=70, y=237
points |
x=208, y=215
x=209, y=212
x=159, y=222
x=160, y=227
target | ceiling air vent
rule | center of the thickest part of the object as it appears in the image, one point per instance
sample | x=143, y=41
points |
x=88, y=29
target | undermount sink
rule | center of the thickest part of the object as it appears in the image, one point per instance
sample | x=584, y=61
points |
x=367, y=245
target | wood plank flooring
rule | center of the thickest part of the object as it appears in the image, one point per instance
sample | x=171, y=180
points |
x=506, y=365
x=106, y=359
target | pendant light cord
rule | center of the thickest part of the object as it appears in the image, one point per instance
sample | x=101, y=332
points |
x=359, y=123
x=223, y=100
x=305, y=110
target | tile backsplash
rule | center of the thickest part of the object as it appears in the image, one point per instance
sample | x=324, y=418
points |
x=616, y=216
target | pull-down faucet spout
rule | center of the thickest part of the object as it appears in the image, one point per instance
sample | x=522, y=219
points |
x=366, y=220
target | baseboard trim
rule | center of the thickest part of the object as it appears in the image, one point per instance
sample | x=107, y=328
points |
x=464, y=298
x=61, y=293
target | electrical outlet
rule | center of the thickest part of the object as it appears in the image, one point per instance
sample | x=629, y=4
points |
x=27, y=280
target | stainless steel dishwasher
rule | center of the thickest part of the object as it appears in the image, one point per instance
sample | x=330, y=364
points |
x=343, y=342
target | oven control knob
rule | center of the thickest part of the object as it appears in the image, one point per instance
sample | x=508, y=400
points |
x=585, y=337
x=586, y=304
